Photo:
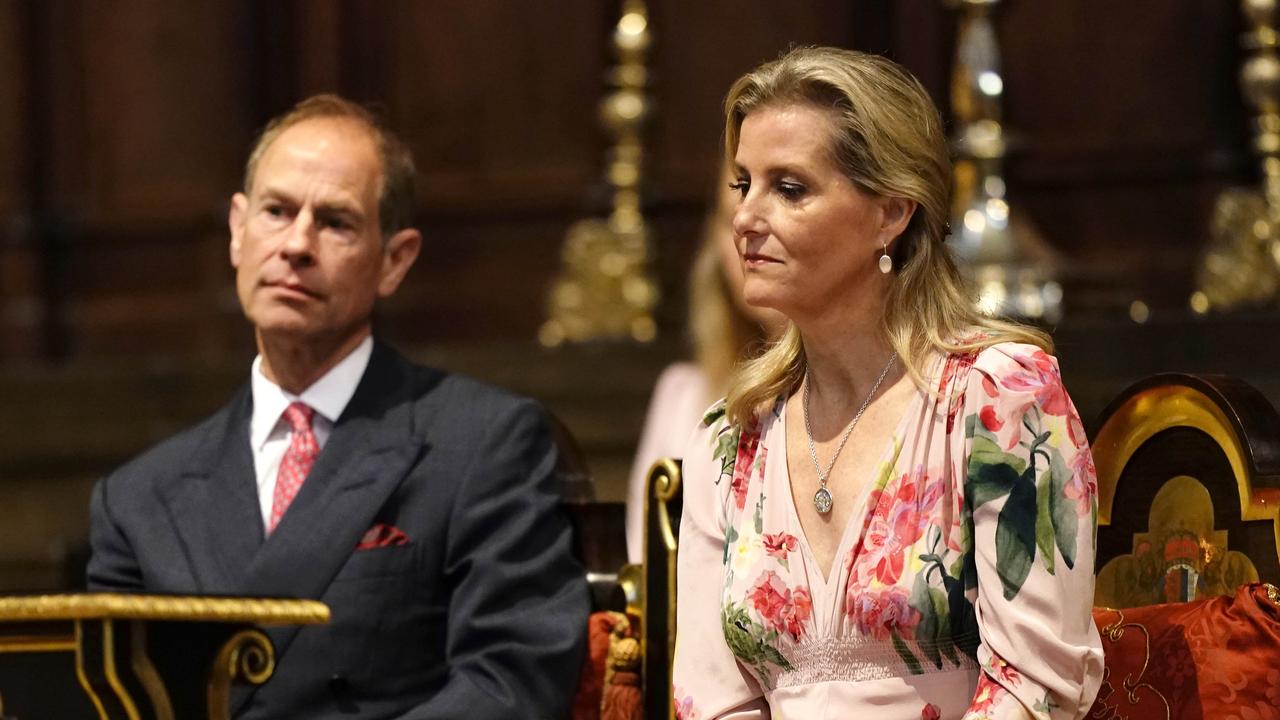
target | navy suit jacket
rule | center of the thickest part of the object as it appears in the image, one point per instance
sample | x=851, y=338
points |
x=482, y=614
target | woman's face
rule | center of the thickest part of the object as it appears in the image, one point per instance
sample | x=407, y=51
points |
x=806, y=234
x=731, y=263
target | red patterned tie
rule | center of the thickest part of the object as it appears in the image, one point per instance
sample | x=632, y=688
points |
x=297, y=461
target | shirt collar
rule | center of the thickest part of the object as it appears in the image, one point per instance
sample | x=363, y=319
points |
x=328, y=396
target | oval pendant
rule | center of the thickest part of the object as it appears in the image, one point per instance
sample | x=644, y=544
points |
x=822, y=501
x=886, y=264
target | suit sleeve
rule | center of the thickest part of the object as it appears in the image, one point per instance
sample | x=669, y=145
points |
x=519, y=601
x=113, y=566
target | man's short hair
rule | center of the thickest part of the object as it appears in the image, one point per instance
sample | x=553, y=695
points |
x=396, y=193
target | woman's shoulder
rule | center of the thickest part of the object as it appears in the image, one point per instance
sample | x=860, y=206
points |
x=994, y=364
x=1005, y=358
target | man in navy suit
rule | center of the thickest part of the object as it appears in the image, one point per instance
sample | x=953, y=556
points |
x=420, y=506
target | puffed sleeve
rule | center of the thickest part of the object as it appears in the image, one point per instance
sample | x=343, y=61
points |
x=1031, y=495
x=708, y=682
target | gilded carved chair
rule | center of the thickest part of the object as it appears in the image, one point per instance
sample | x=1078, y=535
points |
x=1188, y=490
x=1188, y=524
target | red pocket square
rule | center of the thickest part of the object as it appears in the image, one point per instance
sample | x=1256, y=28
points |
x=382, y=535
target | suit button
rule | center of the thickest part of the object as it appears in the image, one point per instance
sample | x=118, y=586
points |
x=338, y=684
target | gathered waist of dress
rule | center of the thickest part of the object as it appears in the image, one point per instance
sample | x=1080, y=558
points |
x=860, y=659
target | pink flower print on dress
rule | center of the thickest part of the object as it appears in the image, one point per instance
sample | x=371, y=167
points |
x=684, y=706
x=957, y=366
x=778, y=545
x=742, y=467
x=769, y=595
x=985, y=697
x=990, y=420
x=1075, y=430
x=1039, y=374
x=880, y=612
x=1007, y=674
x=1083, y=486
x=930, y=712
x=781, y=609
x=795, y=614
x=898, y=520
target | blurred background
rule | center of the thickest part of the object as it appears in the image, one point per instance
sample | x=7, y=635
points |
x=124, y=126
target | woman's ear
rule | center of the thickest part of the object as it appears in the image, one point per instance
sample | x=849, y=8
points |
x=896, y=215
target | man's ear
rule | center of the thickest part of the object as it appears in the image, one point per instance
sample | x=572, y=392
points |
x=897, y=214
x=398, y=255
x=235, y=220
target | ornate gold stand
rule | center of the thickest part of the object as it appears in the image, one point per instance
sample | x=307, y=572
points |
x=1241, y=265
x=1011, y=266
x=136, y=657
x=605, y=290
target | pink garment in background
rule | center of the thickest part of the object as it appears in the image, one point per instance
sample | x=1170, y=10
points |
x=679, y=398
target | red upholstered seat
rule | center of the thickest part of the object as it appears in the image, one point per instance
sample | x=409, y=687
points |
x=1215, y=659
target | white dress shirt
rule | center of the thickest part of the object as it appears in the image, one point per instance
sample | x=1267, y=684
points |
x=269, y=432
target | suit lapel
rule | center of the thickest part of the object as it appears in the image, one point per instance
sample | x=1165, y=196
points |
x=213, y=503
x=370, y=451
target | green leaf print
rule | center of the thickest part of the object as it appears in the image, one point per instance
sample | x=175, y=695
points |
x=730, y=538
x=726, y=451
x=1016, y=537
x=989, y=482
x=1065, y=523
x=758, y=519
x=749, y=641
x=905, y=653
x=713, y=415
x=1044, y=521
x=933, y=633
x=985, y=448
x=992, y=471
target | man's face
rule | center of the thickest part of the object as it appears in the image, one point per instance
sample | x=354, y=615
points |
x=305, y=242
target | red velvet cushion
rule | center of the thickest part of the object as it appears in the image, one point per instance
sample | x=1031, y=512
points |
x=1210, y=659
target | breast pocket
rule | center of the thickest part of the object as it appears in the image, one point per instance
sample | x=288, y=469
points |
x=377, y=563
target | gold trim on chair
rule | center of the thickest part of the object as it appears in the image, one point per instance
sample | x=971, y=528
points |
x=94, y=606
x=663, y=483
x=248, y=656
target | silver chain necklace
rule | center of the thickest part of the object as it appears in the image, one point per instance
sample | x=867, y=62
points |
x=822, y=499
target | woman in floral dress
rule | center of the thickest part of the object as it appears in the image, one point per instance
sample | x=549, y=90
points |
x=892, y=514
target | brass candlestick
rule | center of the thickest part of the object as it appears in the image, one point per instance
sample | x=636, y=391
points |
x=1011, y=266
x=1241, y=265
x=605, y=290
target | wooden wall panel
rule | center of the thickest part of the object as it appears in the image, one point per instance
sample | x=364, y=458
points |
x=1125, y=137
x=701, y=48
x=13, y=97
x=163, y=136
x=498, y=101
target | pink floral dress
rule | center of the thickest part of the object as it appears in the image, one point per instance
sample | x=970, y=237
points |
x=964, y=581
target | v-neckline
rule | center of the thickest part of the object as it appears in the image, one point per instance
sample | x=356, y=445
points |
x=859, y=516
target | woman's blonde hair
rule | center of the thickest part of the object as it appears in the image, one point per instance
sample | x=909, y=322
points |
x=888, y=139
